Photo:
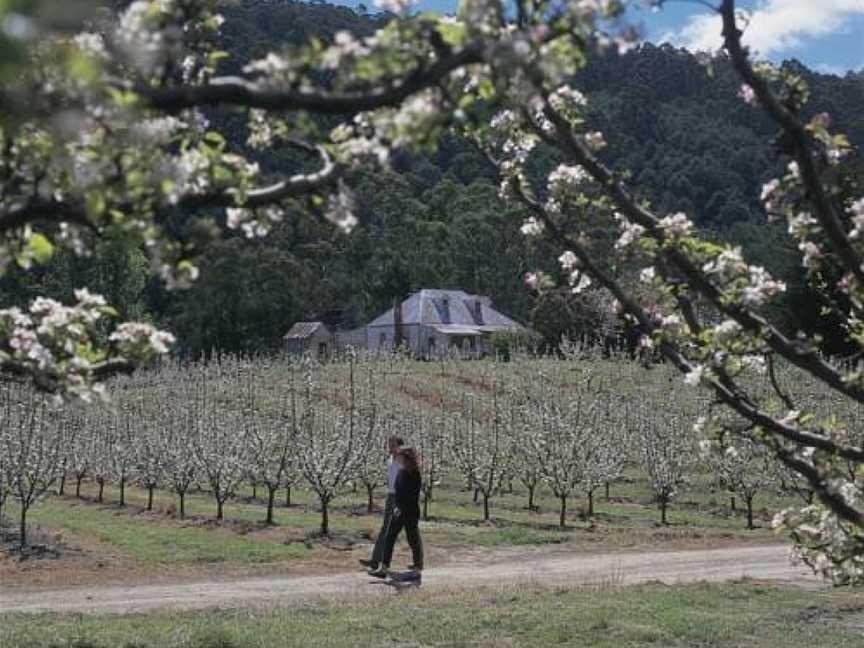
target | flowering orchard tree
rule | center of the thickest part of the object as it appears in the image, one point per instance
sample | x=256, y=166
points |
x=607, y=447
x=502, y=69
x=328, y=442
x=32, y=445
x=480, y=445
x=666, y=452
x=743, y=467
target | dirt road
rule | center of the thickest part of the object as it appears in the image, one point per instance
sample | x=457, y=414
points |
x=764, y=563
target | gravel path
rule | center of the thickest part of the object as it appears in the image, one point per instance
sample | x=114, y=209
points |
x=763, y=563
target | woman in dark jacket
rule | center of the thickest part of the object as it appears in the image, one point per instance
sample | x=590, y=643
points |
x=406, y=514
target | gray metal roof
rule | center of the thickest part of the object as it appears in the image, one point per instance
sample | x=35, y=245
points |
x=303, y=330
x=433, y=307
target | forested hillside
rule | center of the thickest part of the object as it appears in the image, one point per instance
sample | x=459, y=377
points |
x=434, y=220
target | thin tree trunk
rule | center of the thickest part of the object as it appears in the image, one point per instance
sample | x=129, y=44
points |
x=531, y=498
x=749, y=501
x=254, y=491
x=182, y=496
x=426, y=508
x=22, y=529
x=325, y=518
x=219, y=503
x=150, y=488
x=101, y=483
x=485, y=507
x=61, y=491
x=476, y=495
x=123, y=492
x=563, y=519
x=271, y=501
x=78, y=480
x=663, y=510
x=732, y=503
x=590, y=503
x=288, y=496
x=370, y=501
x=607, y=491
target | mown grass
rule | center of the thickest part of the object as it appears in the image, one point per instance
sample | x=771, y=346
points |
x=159, y=539
x=741, y=614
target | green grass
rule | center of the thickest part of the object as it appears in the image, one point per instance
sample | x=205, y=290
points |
x=720, y=616
x=159, y=539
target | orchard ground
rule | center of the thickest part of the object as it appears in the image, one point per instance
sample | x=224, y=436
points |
x=79, y=541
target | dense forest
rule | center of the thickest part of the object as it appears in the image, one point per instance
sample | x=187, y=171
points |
x=434, y=219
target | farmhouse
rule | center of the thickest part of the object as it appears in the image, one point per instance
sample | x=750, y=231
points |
x=430, y=321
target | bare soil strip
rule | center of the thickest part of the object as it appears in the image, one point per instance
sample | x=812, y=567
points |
x=763, y=563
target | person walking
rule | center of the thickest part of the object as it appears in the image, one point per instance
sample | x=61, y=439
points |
x=394, y=444
x=406, y=515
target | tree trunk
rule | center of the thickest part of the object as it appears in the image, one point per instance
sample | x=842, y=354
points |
x=562, y=521
x=182, y=496
x=271, y=501
x=22, y=529
x=123, y=492
x=426, y=508
x=531, y=498
x=150, y=488
x=61, y=491
x=78, y=480
x=325, y=518
x=254, y=491
x=607, y=491
x=749, y=501
x=485, y=507
x=732, y=503
x=590, y=503
x=369, y=501
x=476, y=495
x=219, y=503
x=288, y=497
x=101, y=483
x=662, y=510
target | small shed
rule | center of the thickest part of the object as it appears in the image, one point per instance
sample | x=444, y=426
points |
x=310, y=337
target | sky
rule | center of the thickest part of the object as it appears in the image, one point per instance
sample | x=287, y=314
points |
x=825, y=35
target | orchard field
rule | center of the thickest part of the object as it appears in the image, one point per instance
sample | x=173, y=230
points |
x=275, y=465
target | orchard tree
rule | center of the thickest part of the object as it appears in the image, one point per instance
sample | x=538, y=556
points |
x=32, y=445
x=666, y=452
x=76, y=110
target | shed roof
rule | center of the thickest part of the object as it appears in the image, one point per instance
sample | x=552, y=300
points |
x=304, y=330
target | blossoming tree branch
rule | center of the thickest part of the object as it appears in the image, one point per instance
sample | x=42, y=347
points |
x=108, y=129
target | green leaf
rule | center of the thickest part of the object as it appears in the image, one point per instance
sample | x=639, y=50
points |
x=40, y=248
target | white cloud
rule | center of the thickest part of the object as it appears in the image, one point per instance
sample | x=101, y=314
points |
x=774, y=26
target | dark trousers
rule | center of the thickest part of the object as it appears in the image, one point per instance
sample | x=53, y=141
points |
x=412, y=534
x=378, y=551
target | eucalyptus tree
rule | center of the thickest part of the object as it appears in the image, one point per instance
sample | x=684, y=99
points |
x=32, y=447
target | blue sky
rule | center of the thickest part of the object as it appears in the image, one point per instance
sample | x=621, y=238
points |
x=827, y=35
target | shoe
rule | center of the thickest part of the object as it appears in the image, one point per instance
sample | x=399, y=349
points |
x=381, y=572
x=369, y=564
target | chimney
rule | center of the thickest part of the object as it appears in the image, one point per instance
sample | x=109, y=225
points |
x=478, y=312
x=397, y=323
x=445, y=310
